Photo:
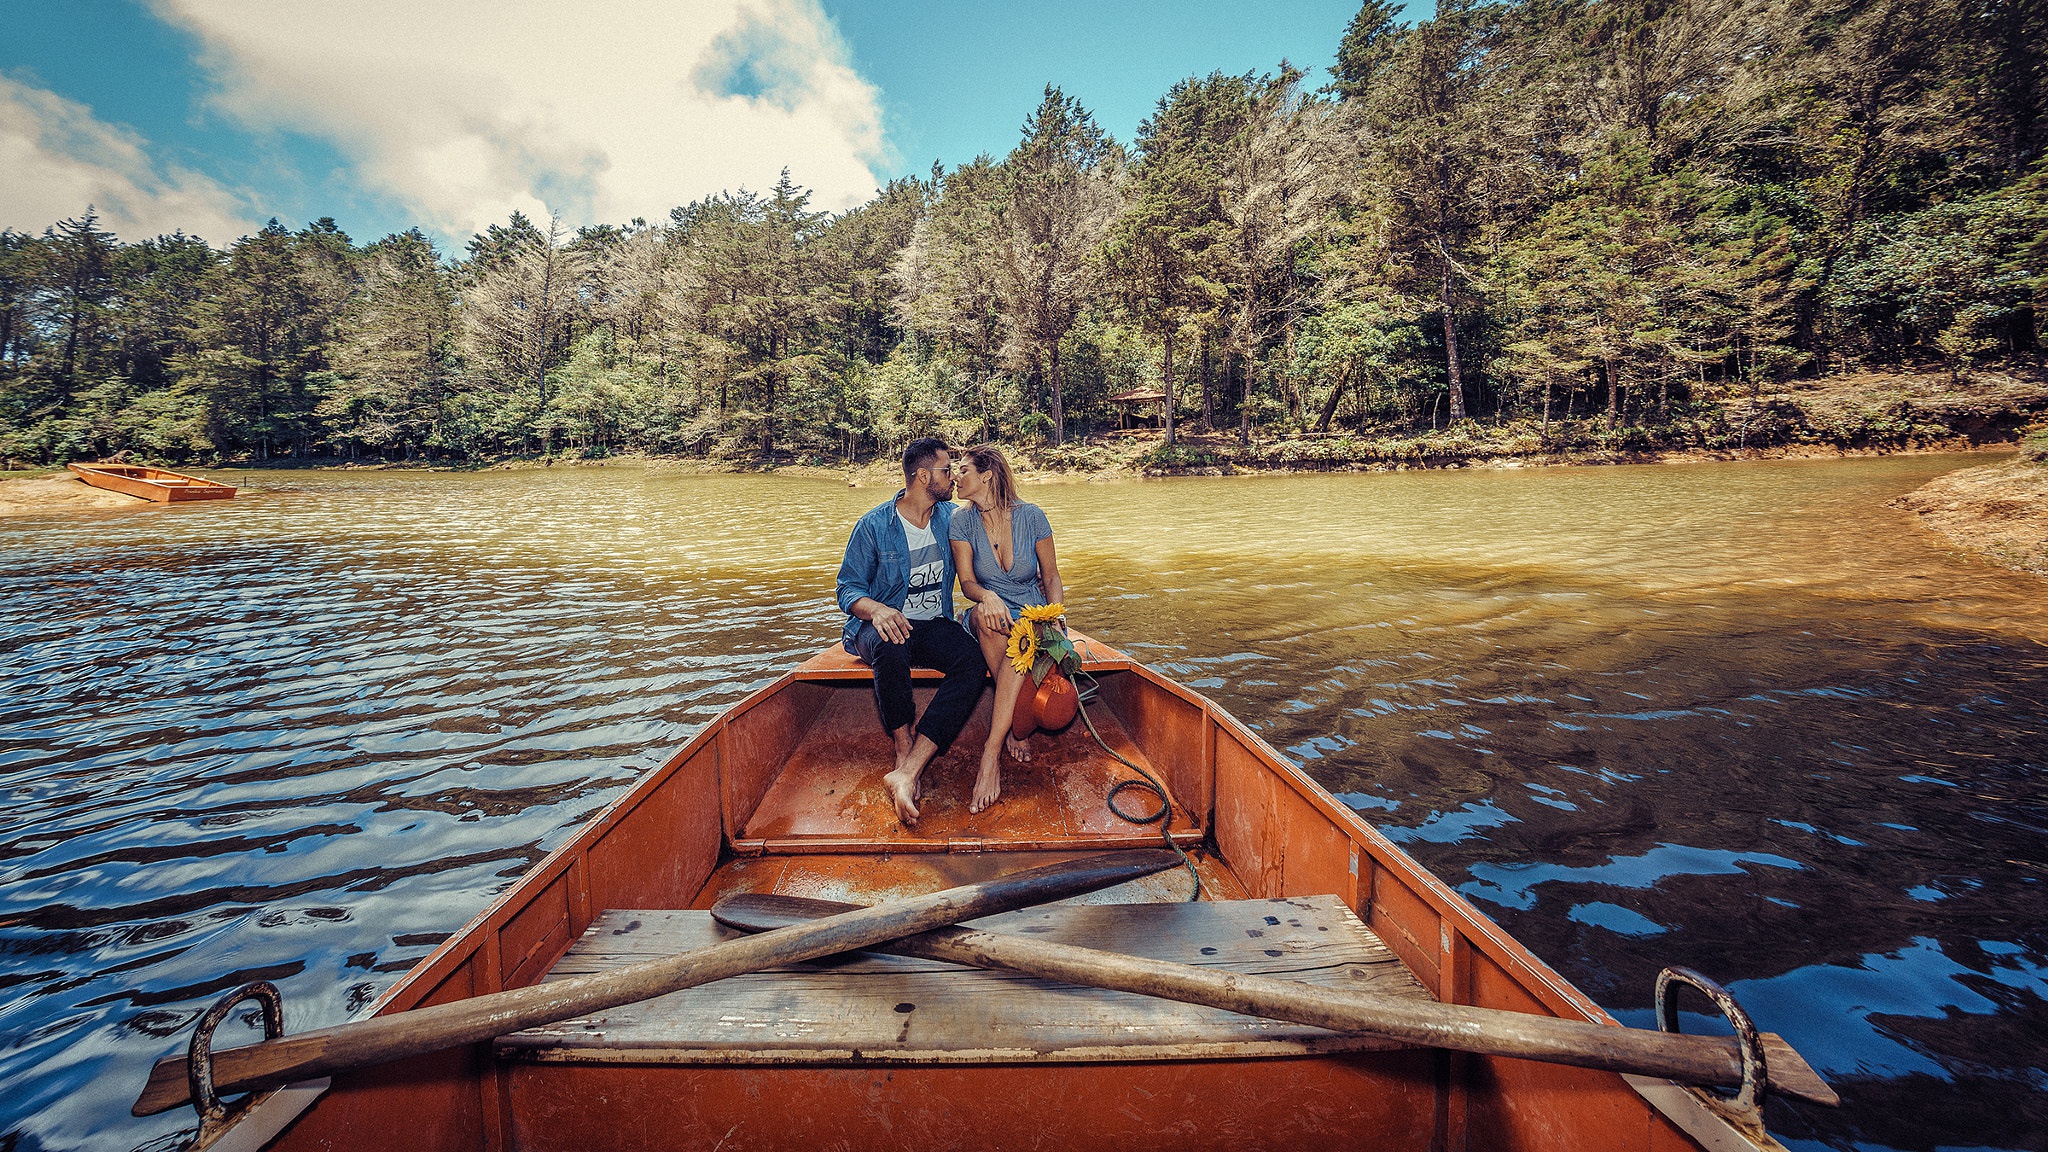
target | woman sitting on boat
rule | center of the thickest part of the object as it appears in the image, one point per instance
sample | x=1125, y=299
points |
x=1005, y=558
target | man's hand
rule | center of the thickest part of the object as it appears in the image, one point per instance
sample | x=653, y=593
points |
x=892, y=624
x=993, y=615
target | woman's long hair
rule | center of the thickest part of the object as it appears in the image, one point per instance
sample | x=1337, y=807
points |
x=988, y=460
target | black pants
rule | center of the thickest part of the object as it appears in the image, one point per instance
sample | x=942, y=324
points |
x=939, y=644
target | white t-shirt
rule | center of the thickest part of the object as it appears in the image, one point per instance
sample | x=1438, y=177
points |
x=927, y=572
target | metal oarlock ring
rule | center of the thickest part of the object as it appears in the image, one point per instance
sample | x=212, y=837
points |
x=199, y=1068
x=1755, y=1077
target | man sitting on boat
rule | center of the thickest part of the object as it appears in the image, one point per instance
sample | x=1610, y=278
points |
x=896, y=586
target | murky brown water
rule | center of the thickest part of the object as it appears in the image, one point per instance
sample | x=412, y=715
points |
x=1741, y=717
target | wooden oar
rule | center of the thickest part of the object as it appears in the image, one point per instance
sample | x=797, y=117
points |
x=1714, y=1060
x=380, y=1039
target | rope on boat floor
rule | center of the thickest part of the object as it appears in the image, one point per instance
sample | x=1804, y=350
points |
x=1150, y=783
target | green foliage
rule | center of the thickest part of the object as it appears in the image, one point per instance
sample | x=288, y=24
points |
x=1951, y=277
x=1174, y=457
x=1600, y=228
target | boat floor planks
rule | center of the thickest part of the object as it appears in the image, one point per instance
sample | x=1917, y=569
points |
x=901, y=1009
x=830, y=794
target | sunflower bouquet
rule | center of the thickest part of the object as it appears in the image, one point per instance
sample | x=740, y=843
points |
x=1039, y=645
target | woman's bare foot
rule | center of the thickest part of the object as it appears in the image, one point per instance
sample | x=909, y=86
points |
x=903, y=790
x=1019, y=750
x=988, y=786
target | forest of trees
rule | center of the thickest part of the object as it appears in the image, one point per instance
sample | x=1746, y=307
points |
x=1613, y=212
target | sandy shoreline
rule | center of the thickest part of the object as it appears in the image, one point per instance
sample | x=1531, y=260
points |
x=59, y=492
x=1999, y=511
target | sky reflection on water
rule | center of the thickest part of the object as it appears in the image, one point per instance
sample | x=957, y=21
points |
x=1741, y=717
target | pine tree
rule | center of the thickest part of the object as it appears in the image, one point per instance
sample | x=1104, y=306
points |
x=948, y=279
x=1431, y=135
x=262, y=331
x=74, y=290
x=395, y=355
x=1174, y=214
x=518, y=307
x=1062, y=196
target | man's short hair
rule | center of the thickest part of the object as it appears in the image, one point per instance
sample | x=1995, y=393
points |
x=921, y=453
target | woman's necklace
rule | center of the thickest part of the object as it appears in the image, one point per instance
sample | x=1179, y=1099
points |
x=998, y=535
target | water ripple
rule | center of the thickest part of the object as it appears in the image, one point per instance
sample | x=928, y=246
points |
x=1739, y=717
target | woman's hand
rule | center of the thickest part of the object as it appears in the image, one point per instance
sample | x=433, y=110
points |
x=993, y=615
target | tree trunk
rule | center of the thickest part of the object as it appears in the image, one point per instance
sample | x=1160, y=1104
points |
x=1544, y=436
x=1244, y=409
x=1613, y=395
x=1166, y=385
x=1208, y=406
x=1059, y=411
x=981, y=390
x=71, y=349
x=1451, y=348
x=1330, y=406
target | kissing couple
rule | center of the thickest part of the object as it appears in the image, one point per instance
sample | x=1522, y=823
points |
x=896, y=588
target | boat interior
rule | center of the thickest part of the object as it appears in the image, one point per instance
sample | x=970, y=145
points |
x=782, y=794
x=823, y=827
x=154, y=476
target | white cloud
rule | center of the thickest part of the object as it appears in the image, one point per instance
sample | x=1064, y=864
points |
x=603, y=110
x=56, y=158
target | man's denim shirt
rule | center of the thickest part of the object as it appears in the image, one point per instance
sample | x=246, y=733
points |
x=877, y=563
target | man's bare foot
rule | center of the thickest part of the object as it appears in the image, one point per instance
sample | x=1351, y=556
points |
x=903, y=790
x=988, y=786
x=902, y=769
x=1019, y=750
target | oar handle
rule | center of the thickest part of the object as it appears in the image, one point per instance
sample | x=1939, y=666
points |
x=380, y=1039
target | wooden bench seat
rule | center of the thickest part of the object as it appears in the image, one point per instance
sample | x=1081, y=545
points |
x=899, y=1009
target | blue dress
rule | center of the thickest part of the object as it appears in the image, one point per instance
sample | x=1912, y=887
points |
x=1017, y=584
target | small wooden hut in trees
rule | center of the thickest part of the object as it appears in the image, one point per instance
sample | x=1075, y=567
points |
x=1139, y=404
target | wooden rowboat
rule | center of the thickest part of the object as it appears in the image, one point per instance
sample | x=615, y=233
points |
x=151, y=483
x=781, y=794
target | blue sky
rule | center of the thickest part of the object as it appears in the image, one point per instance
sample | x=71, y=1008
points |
x=213, y=115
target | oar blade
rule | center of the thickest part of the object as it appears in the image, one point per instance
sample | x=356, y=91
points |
x=1790, y=1074
x=767, y=911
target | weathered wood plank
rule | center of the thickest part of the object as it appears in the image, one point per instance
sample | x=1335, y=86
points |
x=381, y=1039
x=905, y=1009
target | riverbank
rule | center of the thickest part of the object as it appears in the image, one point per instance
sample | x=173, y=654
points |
x=1999, y=511
x=37, y=492
x=1835, y=416
x=1863, y=414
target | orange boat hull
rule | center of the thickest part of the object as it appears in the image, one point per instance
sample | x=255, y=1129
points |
x=719, y=818
x=159, y=484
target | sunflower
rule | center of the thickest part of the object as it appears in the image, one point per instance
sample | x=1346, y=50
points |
x=1045, y=614
x=1023, y=647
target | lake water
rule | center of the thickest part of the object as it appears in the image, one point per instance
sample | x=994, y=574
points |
x=1741, y=717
